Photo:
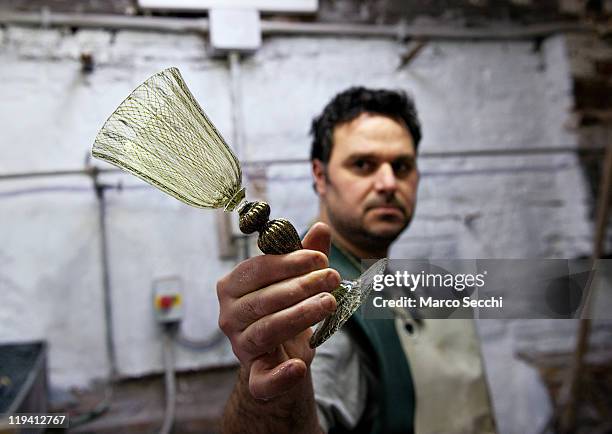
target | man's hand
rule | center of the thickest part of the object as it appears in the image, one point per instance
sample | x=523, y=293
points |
x=268, y=304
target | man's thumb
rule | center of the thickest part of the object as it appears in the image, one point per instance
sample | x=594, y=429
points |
x=318, y=238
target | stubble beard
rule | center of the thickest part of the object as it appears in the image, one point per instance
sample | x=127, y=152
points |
x=354, y=231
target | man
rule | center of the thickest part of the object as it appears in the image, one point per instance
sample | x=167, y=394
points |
x=364, y=166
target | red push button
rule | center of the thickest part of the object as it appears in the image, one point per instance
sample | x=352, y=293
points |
x=166, y=301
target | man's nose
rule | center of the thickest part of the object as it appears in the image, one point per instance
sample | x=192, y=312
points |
x=385, y=179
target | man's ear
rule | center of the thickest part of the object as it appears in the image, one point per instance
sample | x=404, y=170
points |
x=320, y=177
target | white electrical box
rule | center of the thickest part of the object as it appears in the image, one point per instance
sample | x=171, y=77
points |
x=168, y=299
x=234, y=30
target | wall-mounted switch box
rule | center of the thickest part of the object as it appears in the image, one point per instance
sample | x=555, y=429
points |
x=234, y=30
x=168, y=299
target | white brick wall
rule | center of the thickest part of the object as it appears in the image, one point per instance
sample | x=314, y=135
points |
x=470, y=96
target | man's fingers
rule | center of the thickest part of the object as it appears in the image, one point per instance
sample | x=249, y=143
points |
x=282, y=295
x=261, y=271
x=272, y=330
x=318, y=238
x=267, y=383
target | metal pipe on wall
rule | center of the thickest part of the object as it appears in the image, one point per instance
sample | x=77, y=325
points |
x=104, y=21
x=225, y=237
x=236, y=100
x=238, y=136
x=460, y=153
x=274, y=27
x=106, y=285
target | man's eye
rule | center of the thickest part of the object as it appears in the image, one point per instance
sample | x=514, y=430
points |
x=403, y=167
x=363, y=165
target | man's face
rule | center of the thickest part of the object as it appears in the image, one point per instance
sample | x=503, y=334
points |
x=368, y=188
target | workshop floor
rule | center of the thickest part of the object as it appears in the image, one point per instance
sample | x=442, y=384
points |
x=137, y=405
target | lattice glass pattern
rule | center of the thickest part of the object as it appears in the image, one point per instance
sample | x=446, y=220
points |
x=349, y=296
x=161, y=134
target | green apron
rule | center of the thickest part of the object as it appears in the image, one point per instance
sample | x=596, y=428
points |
x=391, y=400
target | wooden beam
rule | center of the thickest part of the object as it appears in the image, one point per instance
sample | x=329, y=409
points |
x=571, y=390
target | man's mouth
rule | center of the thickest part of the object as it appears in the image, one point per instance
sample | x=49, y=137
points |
x=387, y=209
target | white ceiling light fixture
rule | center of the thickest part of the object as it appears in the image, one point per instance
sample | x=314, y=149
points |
x=287, y=6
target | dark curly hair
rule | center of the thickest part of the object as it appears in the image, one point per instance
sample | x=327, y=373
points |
x=349, y=104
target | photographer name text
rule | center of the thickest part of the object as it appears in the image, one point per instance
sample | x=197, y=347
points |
x=431, y=302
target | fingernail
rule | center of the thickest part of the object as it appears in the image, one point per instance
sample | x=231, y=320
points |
x=327, y=302
x=331, y=279
x=294, y=370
